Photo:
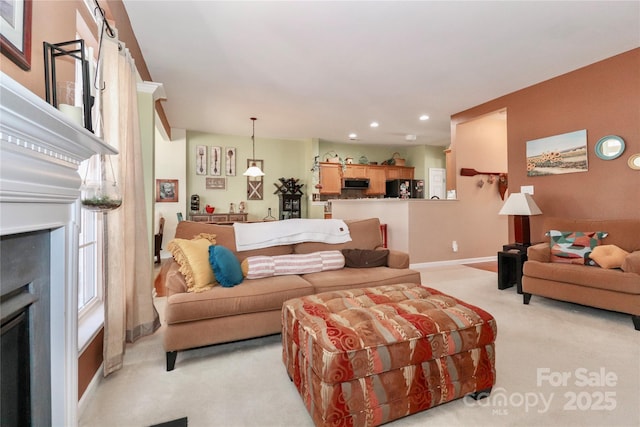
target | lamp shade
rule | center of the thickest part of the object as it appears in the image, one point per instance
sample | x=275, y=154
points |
x=520, y=204
x=253, y=171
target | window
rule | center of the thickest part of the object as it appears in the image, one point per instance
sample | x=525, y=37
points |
x=90, y=271
x=91, y=259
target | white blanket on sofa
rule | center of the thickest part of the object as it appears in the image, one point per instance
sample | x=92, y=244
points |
x=258, y=235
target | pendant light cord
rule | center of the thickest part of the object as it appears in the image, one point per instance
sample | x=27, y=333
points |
x=253, y=138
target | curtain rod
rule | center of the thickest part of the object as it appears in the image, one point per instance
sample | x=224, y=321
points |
x=109, y=30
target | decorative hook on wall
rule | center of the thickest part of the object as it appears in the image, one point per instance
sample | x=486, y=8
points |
x=502, y=179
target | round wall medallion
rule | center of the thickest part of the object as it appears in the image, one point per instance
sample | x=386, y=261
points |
x=609, y=147
x=634, y=161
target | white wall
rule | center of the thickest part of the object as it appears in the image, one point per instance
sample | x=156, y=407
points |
x=170, y=158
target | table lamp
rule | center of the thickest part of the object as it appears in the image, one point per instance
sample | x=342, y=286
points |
x=521, y=206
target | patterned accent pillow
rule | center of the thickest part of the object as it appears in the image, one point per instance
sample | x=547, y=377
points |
x=570, y=247
x=256, y=267
x=365, y=258
x=193, y=258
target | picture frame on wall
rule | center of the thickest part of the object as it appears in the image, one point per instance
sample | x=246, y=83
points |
x=216, y=183
x=201, y=160
x=255, y=184
x=167, y=190
x=558, y=154
x=230, y=166
x=15, y=31
x=215, y=161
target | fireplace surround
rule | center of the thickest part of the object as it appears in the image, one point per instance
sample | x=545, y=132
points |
x=40, y=151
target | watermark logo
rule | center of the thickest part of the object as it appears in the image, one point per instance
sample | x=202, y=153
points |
x=594, y=393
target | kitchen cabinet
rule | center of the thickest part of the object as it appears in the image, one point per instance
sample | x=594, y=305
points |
x=330, y=178
x=331, y=175
x=355, y=171
x=377, y=180
x=399, y=172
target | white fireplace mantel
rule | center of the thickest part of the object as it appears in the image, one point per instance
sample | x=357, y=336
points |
x=40, y=151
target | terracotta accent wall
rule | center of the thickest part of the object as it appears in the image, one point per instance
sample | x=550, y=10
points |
x=53, y=22
x=89, y=362
x=604, y=99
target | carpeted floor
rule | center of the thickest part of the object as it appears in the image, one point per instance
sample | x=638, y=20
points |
x=558, y=364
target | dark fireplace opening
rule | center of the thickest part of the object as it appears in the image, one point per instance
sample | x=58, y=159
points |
x=14, y=365
x=25, y=307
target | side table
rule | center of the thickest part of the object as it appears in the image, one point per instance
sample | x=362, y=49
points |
x=510, y=262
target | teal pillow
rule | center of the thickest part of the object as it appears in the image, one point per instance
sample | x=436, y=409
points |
x=226, y=266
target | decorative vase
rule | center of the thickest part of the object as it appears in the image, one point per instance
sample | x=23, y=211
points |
x=99, y=191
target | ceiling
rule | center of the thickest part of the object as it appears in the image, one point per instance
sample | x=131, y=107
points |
x=326, y=69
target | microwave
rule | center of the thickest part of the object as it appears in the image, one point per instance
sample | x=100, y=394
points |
x=355, y=183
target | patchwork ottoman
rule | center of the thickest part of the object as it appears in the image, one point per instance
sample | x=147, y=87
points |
x=364, y=357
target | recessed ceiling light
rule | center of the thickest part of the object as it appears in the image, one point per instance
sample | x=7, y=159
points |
x=352, y=136
x=424, y=117
x=374, y=124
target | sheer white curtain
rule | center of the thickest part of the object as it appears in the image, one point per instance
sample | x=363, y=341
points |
x=129, y=310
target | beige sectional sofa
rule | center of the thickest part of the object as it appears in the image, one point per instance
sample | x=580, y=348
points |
x=253, y=308
x=616, y=289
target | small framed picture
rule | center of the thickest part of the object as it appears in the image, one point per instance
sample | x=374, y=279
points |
x=230, y=166
x=216, y=183
x=15, y=31
x=215, y=161
x=201, y=160
x=166, y=190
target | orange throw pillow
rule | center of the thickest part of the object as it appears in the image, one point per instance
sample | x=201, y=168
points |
x=608, y=256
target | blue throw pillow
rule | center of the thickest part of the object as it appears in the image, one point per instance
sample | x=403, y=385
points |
x=226, y=266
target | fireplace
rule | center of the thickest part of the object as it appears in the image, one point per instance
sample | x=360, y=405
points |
x=25, y=340
x=40, y=151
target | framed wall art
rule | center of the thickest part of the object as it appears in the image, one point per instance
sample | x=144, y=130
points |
x=255, y=184
x=15, y=31
x=230, y=165
x=558, y=154
x=215, y=161
x=167, y=190
x=216, y=183
x=201, y=160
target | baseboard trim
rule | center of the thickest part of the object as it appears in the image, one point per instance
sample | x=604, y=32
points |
x=91, y=389
x=453, y=262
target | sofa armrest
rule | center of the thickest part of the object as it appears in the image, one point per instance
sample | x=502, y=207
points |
x=175, y=282
x=539, y=252
x=397, y=259
x=631, y=263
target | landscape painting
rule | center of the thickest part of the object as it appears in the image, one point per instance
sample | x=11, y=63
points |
x=554, y=155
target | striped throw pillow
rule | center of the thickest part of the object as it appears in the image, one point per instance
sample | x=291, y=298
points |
x=256, y=267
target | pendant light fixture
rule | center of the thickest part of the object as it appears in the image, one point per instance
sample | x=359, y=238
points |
x=253, y=170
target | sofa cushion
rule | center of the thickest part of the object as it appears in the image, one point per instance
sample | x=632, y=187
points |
x=352, y=278
x=608, y=256
x=571, y=246
x=365, y=234
x=251, y=296
x=193, y=258
x=226, y=266
x=365, y=258
x=225, y=236
x=580, y=275
x=256, y=267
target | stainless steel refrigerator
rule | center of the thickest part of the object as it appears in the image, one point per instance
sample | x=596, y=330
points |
x=405, y=188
